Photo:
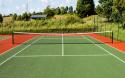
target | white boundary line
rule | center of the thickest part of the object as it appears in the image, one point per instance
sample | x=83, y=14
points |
x=96, y=55
x=28, y=56
x=16, y=46
x=59, y=38
x=62, y=45
x=109, y=45
x=18, y=52
x=35, y=56
x=107, y=51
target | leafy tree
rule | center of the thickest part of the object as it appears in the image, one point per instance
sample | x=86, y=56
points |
x=34, y=13
x=14, y=16
x=49, y=11
x=107, y=8
x=63, y=10
x=25, y=17
x=66, y=9
x=1, y=18
x=85, y=8
x=70, y=9
x=120, y=5
x=19, y=18
x=29, y=14
x=121, y=2
x=57, y=11
x=74, y=11
x=111, y=9
x=101, y=1
x=99, y=10
x=116, y=16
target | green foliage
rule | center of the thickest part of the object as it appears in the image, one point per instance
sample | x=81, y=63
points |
x=66, y=9
x=57, y=11
x=65, y=23
x=116, y=16
x=107, y=8
x=85, y=8
x=1, y=18
x=123, y=25
x=101, y=1
x=49, y=11
x=63, y=10
x=25, y=16
x=14, y=16
x=19, y=18
x=99, y=10
x=111, y=9
x=70, y=9
x=121, y=3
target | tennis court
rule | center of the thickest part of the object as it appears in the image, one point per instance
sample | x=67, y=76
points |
x=62, y=56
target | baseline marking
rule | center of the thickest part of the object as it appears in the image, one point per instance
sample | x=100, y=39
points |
x=18, y=52
x=107, y=51
x=35, y=56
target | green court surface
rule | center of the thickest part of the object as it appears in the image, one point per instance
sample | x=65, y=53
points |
x=62, y=57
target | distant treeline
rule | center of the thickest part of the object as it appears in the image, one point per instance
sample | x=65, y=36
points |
x=113, y=10
x=84, y=8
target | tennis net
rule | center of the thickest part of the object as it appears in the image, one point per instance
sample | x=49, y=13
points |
x=65, y=38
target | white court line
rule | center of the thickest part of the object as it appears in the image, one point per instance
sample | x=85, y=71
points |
x=107, y=51
x=59, y=38
x=18, y=52
x=110, y=46
x=38, y=56
x=35, y=56
x=62, y=45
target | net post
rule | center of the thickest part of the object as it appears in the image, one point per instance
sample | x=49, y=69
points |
x=13, y=38
x=112, y=37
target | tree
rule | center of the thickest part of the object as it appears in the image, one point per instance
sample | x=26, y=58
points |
x=34, y=13
x=63, y=11
x=14, y=16
x=75, y=12
x=66, y=9
x=120, y=5
x=57, y=11
x=85, y=8
x=111, y=9
x=116, y=16
x=99, y=10
x=29, y=15
x=1, y=18
x=105, y=8
x=49, y=11
x=121, y=2
x=25, y=16
x=70, y=9
x=19, y=18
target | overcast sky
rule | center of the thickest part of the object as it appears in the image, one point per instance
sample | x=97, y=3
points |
x=19, y=6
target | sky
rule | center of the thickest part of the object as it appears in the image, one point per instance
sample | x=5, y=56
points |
x=20, y=6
